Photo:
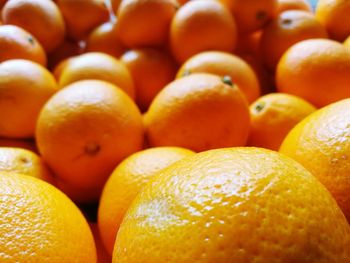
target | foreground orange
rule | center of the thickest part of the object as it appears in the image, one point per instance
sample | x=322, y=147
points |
x=234, y=205
x=40, y=224
x=321, y=144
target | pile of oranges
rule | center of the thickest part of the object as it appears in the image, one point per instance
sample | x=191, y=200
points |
x=174, y=131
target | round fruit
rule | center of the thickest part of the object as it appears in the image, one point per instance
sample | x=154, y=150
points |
x=84, y=131
x=199, y=26
x=41, y=18
x=151, y=70
x=224, y=64
x=233, y=206
x=289, y=28
x=24, y=88
x=126, y=182
x=284, y=5
x=96, y=65
x=40, y=224
x=316, y=70
x=16, y=43
x=273, y=116
x=320, y=143
x=145, y=22
x=198, y=112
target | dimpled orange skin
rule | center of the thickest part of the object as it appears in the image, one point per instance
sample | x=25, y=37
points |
x=24, y=162
x=199, y=26
x=40, y=224
x=284, y=5
x=84, y=131
x=321, y=144
x=41, y=18
x=97, y=65
x=145, y=23
x=126, y=181
x=273, y=116
x=198, y=112
x=16, y=43
x=316, y=70
x=234, y=205
x=224, y=64
x=334, y=15
x=287, y=29
x=25, y=86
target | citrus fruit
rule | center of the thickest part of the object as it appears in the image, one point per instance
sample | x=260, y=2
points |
x=97, y=65
x=126, y=181
x=284, y=5
x=316, y=70
x=232, y=206
x=273, y=116
x=320, y=143
x=102, y=254
x=151, y=69
x=40, y=224
x=347, y=42
x=198, y=112
x=287, y=29
x=224, y=64
x=41, y=18
x=84, y=131
x=199, y=26
x=24, y=88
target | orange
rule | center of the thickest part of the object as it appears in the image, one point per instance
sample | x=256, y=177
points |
x=334, y=16
x=66, y=49
x=27, y=144
x=320, y=143
x=41, y=18
x=126, y=182
x=234, y=205
x=24, y=162
x=224, y=64
x=102, y=254
x=145, y=22
x=151, y=69
x=18, y=43
x=84, y=131
x=198, y=112
x=317, y=70
x=24, y=88
x=82, y=16
x=347, y=42
x=97, y=65
x=289, y=28
x=249, y=43
x=105, y=39
x=202, y=25
x=58, y=69
x=251, y=15
x=40, y=224
x=273, y=116
x=284, y=5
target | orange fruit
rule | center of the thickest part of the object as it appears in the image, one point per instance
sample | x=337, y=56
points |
x=334, y=16
x=198, y=112
x=320, y=143
x=24, y=88
x=249, y=43
x=251, y=15
x=41, y=18
x=102, y=254
x=234, y=205
x=273, y=116
x=24, y=162
x=58, y=69
x=151, y=69
x=347, y=42
x=40, y=224
x=200, y=26
x=287, y=29
x=317, y=70
x=84, y=131
x=66, y=49
x=81, y=17
x=284, y=5
x=27, y=144
x=145, y=23
x=224, y=64
x=16, y=43
x=105, y=39
x=126, y=182
x=97, y=65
